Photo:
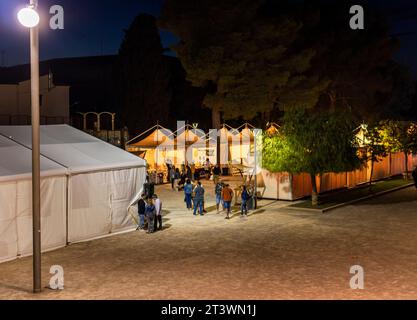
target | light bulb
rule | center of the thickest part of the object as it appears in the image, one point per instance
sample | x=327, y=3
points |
x=28, y=17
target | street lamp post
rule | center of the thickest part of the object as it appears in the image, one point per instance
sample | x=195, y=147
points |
x=255, y=180
x=29, y=18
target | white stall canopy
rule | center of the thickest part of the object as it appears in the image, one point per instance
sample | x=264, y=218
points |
x=155, y=145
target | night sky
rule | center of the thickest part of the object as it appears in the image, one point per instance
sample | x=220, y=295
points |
x=95, y=27
x=92, y=27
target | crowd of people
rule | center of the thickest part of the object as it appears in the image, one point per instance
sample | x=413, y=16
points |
x=150, y=206
x=194, y=198
x=188, y=180
x=150, y=212
x=178, y=176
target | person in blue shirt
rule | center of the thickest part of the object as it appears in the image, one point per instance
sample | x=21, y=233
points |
x=188, y=191
x=150, y=212
x=245, y=198
x=218, y=191
x=198, y=198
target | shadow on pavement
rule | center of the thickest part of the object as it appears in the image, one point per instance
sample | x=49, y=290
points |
x=405, y=195
x=11, y=287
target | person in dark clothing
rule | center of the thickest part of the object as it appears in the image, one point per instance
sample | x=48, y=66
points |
x=216, y=174
x=189, y=172
x=158, y=212
x=188, y=191
x=198, y=198
x=181, y=182
x=141, y=212
x=149, y=189
x=171, y=174
x=177, y=178
x=245, y=197
x=414, y=174
x=218, y=193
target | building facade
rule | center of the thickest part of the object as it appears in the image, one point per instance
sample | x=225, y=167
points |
x=15, y=103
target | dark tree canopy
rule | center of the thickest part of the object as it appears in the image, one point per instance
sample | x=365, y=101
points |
x=144, y=76
x=358, y=63
x=245, y=57
x=262, y=57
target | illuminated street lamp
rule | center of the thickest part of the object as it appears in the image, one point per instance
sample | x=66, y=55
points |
x=29, y=18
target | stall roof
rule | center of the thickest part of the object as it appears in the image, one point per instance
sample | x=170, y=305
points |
x=153, y=140
x=74, y=149
x=158, y=134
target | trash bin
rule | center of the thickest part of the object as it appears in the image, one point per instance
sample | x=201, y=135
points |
x=149, y=189
x=251, y=203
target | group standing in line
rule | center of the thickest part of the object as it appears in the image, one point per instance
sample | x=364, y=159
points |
x=150, y=208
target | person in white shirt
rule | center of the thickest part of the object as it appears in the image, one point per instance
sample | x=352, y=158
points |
x=158, y=208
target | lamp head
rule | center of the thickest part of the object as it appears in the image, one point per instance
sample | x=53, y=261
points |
x=28, y=17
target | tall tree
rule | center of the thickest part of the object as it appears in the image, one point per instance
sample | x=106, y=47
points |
x=358, y=63
x=314, y=143
x=247, y=59
x=143, y=75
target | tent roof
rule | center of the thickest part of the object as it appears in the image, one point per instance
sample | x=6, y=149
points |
x=16, y=163
x=189, y=133
x=74, y=149
x=156, y=129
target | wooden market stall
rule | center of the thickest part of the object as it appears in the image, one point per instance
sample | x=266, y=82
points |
x=156, y=146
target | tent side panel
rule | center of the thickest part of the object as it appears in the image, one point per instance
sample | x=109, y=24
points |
x=8, y=228
x=53, y=220
x=124, y=187
x=89, y=211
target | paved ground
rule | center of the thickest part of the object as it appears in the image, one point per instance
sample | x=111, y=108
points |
x=273, y=254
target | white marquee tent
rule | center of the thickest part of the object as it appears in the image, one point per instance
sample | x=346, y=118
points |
x=86, y=190
x=16, y=202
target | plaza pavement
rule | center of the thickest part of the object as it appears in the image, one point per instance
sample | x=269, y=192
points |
x=272, y=254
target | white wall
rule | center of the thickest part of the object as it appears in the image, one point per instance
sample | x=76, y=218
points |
x=15, y=102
